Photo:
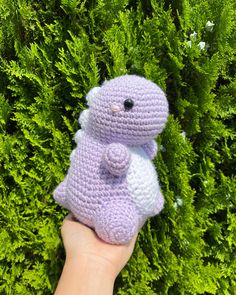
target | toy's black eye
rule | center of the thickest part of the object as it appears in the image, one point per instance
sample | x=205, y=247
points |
x=128, y=104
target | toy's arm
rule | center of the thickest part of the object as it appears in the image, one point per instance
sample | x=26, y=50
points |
x=116, y=158
x=150, y=148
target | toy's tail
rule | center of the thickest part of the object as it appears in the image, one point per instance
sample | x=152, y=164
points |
x=84, y=117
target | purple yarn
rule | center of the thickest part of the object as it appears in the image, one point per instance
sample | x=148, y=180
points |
x=111, y=184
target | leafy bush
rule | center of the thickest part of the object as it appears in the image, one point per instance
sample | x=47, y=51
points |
x=51, y=54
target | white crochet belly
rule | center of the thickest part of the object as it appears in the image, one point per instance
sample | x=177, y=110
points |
x=142, y=181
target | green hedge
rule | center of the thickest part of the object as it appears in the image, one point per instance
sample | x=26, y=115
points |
x=51, y=54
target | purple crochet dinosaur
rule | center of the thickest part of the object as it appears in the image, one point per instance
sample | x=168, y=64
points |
x=112, y=185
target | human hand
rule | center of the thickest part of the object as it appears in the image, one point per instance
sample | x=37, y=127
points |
x=81, y=242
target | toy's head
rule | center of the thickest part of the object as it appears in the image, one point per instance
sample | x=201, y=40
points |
x=128, y=109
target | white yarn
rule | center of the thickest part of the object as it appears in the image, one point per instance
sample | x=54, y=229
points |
x=84, y=115
x=142, y=181
x=83, y=119
x=91, y=95
x=72, y=154
x=78, y=135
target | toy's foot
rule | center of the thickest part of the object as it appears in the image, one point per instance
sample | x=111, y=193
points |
x=60, y=194
x=116, y=222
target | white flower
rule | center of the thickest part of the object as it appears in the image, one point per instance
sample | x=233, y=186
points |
x=183, y=134
x=162, y=148
x=189, y=43
x=193, y=35
x=202, y=45
x=209, y=26
x=178, y=203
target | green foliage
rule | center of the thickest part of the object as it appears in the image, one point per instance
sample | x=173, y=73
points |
x=51, y=54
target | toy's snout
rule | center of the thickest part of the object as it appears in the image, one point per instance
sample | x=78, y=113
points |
x=115, y=108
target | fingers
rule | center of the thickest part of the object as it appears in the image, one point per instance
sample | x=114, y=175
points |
x=69, y=223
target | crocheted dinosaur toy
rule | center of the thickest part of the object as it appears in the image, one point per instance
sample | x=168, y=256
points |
x=112, y=185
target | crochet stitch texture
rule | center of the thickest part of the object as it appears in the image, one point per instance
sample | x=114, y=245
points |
x=112, y=185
